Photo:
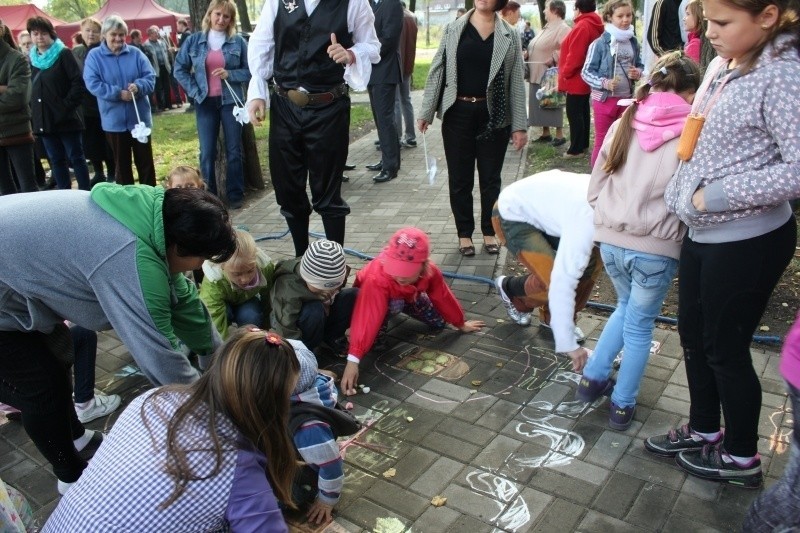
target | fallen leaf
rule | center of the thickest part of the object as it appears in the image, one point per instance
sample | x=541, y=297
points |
x=409, y=419
x=438, y=501
x=476, y=382
x=499, y=365
x=390, y=473
x=764, y=328
x=500, y=320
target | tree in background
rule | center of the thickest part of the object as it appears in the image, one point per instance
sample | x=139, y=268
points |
x=71, y=10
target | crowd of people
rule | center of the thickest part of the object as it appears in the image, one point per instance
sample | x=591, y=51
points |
x=695, y=160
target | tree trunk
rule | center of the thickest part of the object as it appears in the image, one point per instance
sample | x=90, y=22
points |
x=253, y=177
x=541, y=4
x=244, y=16
x=197, y=10
x=412, y=5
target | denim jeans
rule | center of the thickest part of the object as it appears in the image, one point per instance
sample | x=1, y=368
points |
x=65, y=149
x=250, y=313
x=778, y=508
x=317, y=326
x=641, y=281
x=210, y=114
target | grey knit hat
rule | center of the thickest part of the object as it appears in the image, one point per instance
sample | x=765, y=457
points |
x=323, y=265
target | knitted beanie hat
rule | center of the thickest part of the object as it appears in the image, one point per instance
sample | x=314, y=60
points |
x=323, y=265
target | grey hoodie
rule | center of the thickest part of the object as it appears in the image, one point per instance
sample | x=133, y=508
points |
x=748, y=156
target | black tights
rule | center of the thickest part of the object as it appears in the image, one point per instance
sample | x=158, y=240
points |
x=36, y=382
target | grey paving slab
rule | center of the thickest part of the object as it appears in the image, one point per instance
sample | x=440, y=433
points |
x=516, y=452
x=437, y=477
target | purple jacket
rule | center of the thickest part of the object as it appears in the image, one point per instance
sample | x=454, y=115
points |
x=790, y=355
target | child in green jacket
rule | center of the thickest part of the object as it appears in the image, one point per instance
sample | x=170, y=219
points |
x=238, y=289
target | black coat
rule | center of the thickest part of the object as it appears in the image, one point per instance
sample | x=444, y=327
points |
x=388, y=26
x=15, y=74
x=57, y=96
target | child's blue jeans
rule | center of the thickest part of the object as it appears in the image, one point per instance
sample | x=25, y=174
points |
x=641, y=281
x=250, y=312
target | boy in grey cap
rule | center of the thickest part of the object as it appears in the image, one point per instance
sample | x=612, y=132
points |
x=308, y=301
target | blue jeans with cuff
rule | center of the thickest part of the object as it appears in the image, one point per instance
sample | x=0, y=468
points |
x=249, y=313
x=641, y=281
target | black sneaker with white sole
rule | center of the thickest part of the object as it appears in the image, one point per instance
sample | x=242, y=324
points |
x=677, y=440
x=712, y=462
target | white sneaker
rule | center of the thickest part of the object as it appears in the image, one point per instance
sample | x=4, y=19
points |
x=580, y=336
x=523, y=319
x=99, y=406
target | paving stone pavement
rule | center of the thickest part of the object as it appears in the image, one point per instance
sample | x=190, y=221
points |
x=506, y=442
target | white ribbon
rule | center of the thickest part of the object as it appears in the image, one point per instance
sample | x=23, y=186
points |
x=430, y=162
x=140, y=131
x=239, y=112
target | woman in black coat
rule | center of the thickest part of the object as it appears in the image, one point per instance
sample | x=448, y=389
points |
x=57, y=95
x=16, y=141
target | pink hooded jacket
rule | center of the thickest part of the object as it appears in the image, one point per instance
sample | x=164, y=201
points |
x=629, y=208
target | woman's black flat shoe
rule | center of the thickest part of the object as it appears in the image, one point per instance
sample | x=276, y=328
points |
x=543, y=139
x=492, y=249
x=558, y=142
x=467, y=251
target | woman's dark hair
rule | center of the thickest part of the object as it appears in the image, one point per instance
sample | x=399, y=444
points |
x=559, y=8
x=585, y=6
x=198, y=224
x=7, y=37
x=41, y=24
x=249, y=382
x=679, y=74
x=510, y=7
x=135, y=33
x=500, y=4
x=77, y=38
x=788, y=23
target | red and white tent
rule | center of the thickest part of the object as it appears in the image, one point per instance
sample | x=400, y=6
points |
x=16, y=17
x=137, y=14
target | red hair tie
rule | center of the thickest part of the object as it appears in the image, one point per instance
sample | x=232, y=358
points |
x=273, y=338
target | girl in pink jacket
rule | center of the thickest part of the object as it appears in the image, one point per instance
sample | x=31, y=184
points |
x=778, y=508
x=401, y=278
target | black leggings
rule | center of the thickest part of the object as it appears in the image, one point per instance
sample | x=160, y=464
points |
x=724, y=289
x=34, y=381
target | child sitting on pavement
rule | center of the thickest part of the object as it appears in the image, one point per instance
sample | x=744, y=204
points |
x=237, y=291
x=307, y=299
x=314, y=425
x=401, y=278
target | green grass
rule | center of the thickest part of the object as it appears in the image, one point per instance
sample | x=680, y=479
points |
x=175, y=138
x=543, y=157
x=420, y=74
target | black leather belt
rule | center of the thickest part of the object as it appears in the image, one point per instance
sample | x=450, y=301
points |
x=302, y=98
x=471, y=99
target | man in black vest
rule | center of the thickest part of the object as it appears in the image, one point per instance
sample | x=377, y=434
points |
x=310, y=51
x=386, y=76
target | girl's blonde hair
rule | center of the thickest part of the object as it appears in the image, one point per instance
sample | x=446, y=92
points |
x=250, y=380
x=672, y=72
x=185, y=171
x=788, y=22
x=216, y=4
x=245, y=249
x=613, y=5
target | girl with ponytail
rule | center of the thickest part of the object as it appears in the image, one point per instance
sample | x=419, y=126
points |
x=639, y=241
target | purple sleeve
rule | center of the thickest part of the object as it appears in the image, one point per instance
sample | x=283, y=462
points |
x=252, y=505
